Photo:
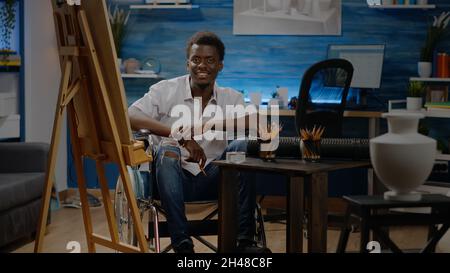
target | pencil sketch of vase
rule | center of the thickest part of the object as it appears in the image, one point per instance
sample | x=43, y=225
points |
x=287, y=17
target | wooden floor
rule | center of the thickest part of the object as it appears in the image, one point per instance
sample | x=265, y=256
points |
x=67, y=225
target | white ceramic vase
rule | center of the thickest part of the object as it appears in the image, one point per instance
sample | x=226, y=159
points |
x=402, y=158
x=424, y=69
x=413, y=103
x=273, y=102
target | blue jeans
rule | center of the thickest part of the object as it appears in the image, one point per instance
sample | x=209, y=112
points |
x=177, y=186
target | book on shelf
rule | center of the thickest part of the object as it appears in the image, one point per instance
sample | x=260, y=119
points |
x=438, y=105
x=9, y=58
x=10, y=63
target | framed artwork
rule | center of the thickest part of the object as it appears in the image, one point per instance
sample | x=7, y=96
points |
x=437, y=93
x=287, y=17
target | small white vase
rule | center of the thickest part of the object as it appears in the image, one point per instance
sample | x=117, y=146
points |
x=255, y=98
x=402, y=158
x=424, y=69
x=413, y=104
x=273, y=102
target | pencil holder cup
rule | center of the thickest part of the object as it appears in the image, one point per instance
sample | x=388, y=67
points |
x=310, y=150
x=267, y=155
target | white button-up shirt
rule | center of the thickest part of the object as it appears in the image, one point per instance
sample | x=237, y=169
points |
x=161, y=99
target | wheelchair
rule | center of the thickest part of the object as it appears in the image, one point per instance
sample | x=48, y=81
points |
x=146, y=193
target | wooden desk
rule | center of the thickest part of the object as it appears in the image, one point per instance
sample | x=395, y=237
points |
x=373, y=118
x=304, y=179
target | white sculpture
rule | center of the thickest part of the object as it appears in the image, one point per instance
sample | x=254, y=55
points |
x=402, y=158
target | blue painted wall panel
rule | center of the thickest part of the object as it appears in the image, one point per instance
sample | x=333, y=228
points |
x=265, y=61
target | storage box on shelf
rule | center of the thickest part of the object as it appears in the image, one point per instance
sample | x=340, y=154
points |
x=8, y=103
x=10, y=126
x=9, y=106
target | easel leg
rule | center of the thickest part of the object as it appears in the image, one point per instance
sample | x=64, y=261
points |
x=77, y=158
x=46, y=194
x=109, y=209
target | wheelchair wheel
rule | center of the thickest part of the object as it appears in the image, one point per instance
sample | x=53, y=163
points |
x=122, y=211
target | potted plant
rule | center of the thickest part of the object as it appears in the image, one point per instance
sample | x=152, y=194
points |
x=7, y=25
x=118, y=20
x=414, y=99
x=435, y=34
x=275, y=99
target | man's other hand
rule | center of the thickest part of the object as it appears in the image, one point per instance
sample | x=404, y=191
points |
x=196, y=153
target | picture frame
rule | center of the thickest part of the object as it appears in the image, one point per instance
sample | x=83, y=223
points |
x=287, y=17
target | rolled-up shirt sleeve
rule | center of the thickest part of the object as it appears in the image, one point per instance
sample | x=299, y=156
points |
x=150, y=103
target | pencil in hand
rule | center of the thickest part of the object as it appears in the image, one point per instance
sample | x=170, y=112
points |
x=203, y=170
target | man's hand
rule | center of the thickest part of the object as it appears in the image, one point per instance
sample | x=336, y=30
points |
x=196, y=153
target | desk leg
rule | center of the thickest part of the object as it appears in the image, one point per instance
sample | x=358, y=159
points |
x=228, y=205
x=318, y=214
x=295, y=212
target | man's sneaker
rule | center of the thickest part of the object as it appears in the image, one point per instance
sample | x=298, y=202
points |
x=184, y=248
x=249, y=246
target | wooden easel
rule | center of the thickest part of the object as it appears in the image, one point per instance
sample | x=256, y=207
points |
x=92, y=92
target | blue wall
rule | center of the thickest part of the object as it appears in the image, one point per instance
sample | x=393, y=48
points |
x=263, y=62
x=255, y=62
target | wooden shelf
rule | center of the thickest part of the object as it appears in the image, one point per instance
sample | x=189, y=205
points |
x=431, y=113
x=439, y=113
x=347, y=113
x=443, y=157
x=402, y=6
x=141, y=76
x=160, y=6
x=429, y=79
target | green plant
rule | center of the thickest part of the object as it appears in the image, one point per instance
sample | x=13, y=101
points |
x=436, y=32
x=423, y=128
x=441, y=146
x=416, y=89
x=274, y=94
x=118, y=20
x=8, y=22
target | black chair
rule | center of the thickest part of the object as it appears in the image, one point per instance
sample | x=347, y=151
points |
x=322, y=96
x=321, y=102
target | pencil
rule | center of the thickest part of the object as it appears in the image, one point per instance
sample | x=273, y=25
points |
x=201, y=169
